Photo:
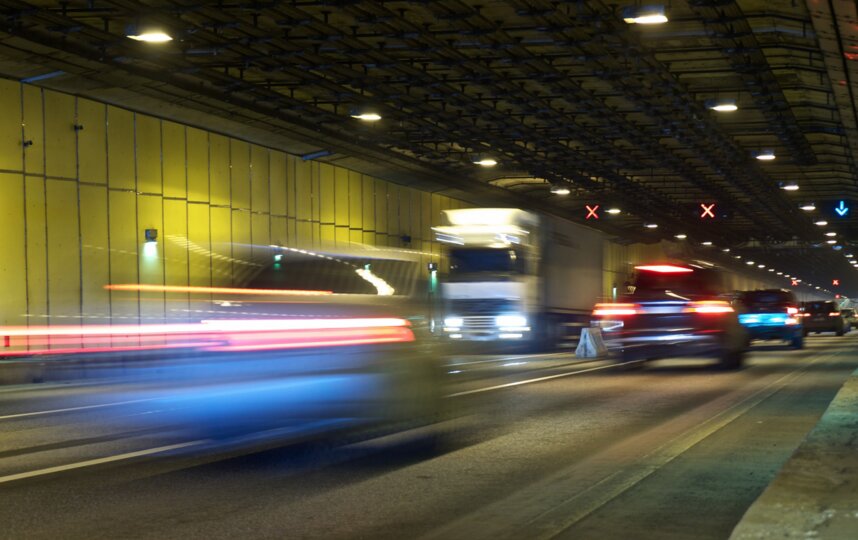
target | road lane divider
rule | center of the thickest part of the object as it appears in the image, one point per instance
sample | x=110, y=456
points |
x=99, y=461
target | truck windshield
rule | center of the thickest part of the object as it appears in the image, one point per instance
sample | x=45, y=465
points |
x=471, y=260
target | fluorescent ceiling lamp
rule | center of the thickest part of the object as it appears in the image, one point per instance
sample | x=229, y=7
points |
x=849, y=255
x=484, y=161
x=749, y=263
x=365, y=114
x=560, y=190
x=152, y=37
x=653, y=14
x=780, y=273
x=737, y=257
x=831, y=233
x=707, y=243
x=651, y=225
x=809, y=207
x=680, y=236
x=771, y=269
x=613, y=210
x=722, y=105
x=761, y=266
x=821, y=223
x=726, y=250
x=792, y=186
x=766, y=155
x=831, y=242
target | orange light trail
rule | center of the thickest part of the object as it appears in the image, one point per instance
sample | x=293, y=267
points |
x=213, y=290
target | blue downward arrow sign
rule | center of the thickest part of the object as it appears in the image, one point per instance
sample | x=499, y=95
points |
x=842, y=210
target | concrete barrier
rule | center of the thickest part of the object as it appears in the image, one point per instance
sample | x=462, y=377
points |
x=815, y=495
x=591, y=344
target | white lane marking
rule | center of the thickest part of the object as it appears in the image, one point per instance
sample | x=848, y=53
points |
x=71, y=409
x=539, y=379
x=98, y=461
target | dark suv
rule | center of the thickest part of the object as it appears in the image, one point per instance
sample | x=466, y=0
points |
x=823, y=316
x=771, y=314
x=673, y=310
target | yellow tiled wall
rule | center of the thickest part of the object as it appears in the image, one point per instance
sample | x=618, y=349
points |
x=80, y=181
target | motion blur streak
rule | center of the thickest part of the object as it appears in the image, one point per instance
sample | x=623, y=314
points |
x=317, y=338
x=212, y=290
x=211, y=335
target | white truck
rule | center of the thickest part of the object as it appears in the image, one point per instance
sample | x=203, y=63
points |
x=517, y=276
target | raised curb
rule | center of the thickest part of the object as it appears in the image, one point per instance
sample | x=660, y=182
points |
x=815, y=495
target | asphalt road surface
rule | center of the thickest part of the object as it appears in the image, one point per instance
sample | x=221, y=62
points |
x=545, y=447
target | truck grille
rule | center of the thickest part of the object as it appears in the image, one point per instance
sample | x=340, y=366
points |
x=478, y=323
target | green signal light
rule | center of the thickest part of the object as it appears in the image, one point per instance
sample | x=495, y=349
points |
x=278, y=257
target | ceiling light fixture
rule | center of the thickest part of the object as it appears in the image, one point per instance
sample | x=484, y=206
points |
x=821, y=223
x=808, y=207
x=613, y=211
x=766, y=155
x=750, y=263
x=680, y=236
x=147, y=33
x=365, y=113
x=651, y=225
x=653, y=14
x=791, y=186
x=722, y=105
x=559, y=189
x=831, y=233
x=726, y=250
x=484, y=161
x=707, y=243
x=831, y=241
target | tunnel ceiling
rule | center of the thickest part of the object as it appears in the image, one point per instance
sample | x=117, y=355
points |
x=563, y=93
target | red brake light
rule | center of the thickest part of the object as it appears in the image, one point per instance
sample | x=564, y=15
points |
x=602, y=310
x=792, y=311
x=664, y=268
x=710, y=306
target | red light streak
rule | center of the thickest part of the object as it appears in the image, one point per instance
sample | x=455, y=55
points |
x=707, y=211
x=664, y=268
x=214, y=335
x=591, y=212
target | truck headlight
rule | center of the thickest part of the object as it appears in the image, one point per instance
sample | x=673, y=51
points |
x=453, y=322
x=511, y=321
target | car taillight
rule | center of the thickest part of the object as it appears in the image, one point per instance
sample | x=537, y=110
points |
x=604, y=310
x=834, y=314
x=710, y=306
x=803, y=315
x=792, y=311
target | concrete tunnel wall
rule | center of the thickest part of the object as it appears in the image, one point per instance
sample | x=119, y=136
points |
x=80, y=181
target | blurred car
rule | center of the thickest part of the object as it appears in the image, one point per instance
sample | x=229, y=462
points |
x=673, y=310
x=823, y=316
x=309, y=344
x=771, y=314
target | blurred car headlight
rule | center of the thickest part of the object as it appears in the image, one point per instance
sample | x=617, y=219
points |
x=511, y=321
x=453, y=322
